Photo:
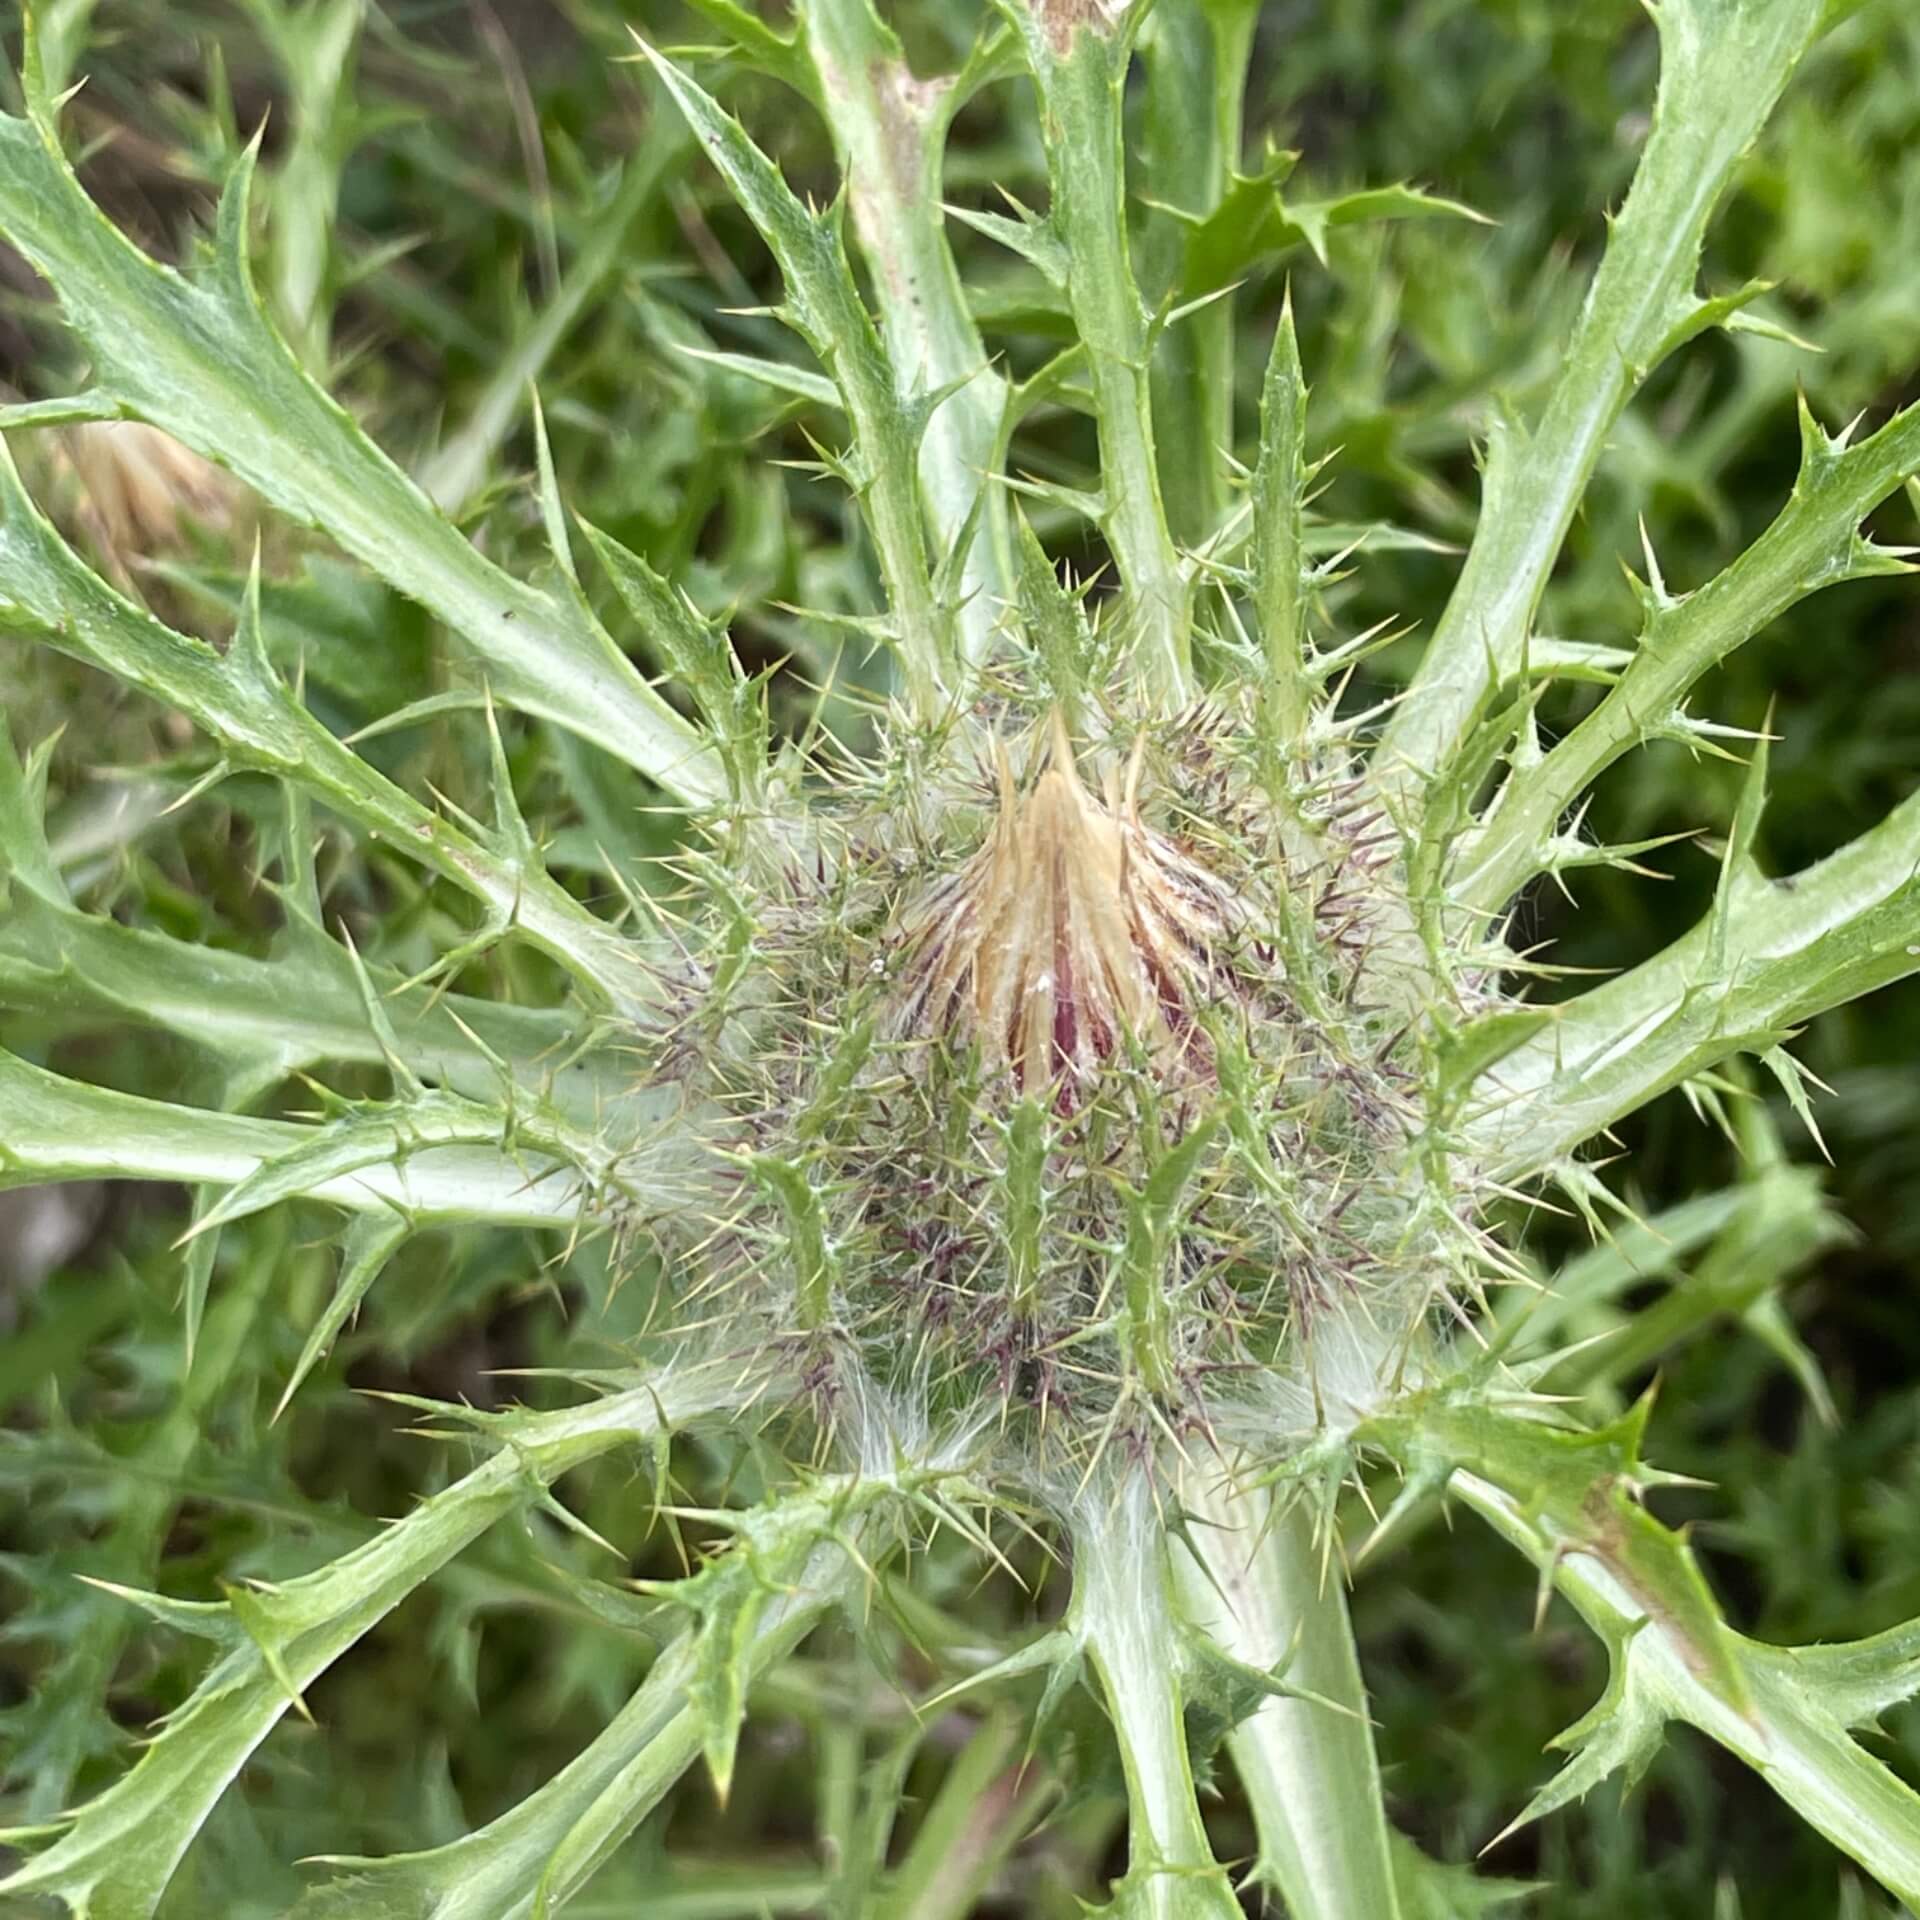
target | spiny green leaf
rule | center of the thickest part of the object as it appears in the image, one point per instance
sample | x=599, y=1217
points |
x=1858, y=1681
x=1739, y=868
x=261, y=1624
x=769, y=1560
x=338, y=1148
x=1810, y=545
x=1079, y=67
x=1730, y=310
x=1056, y=624
x=1466, y=1052
x=239, y=699
x=120, y=1850
x=1437, y=1890
x=810, y=1241
x=781, y=55
x=200, y=360
x=58, y=1129
x=824, y=306
x=24, y=855
x=1255, y=222
x=1722, y=68
x=778, y=374
x=1584, y=1488
x=1620, y=1734
x=1027, y=234
x=1788, y=1730
x=702, y=656
x=1794, y=947
x=276, y=1016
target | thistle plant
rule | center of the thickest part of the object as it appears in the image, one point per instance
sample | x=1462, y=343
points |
x=1069, y=1084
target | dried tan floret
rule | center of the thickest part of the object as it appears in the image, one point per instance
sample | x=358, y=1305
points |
x=1075, y=929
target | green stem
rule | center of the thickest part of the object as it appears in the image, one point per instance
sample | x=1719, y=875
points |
x=989, y=1800
x=1308, y=1767
x=1723, y=64
x=1079, y=61
x=890, y=130
x=1123, y=1605
x=1196, y=59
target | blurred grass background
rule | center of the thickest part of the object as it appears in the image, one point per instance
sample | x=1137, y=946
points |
x=473, y=193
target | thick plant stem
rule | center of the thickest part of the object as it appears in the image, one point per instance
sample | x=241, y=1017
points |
x=1080, y=68
x=1123, y=1602
x=1196, y=60
x=1723, y=64
x=891, y=133
x=1261, y=1589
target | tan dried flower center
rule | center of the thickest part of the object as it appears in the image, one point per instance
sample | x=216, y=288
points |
x=1073, y=929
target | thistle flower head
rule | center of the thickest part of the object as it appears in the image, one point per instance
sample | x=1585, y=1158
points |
x=1085, y=1090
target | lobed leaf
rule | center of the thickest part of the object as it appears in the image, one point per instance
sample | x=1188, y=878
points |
x=1792, y=947
x=1723, y=65
x=198, y=358
x=240, y=700
x=1778, y=1719
x=118, y=1852
x=57, y=1129
x=1812, y=544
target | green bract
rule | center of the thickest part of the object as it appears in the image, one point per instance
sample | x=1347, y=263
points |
x=1087, y=1097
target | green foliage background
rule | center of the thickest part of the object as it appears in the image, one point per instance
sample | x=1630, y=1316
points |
x=431, y=203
